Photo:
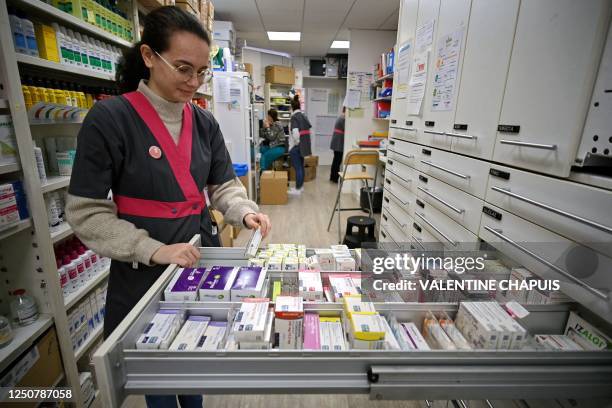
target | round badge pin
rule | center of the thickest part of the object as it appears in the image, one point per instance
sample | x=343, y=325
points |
x=155, y=152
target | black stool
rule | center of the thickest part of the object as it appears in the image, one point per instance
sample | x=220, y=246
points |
x=365, y=231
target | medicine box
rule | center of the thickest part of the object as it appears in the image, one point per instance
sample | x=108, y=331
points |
x=249, y=283
x=412, y=338
x=331, y=334
x=218, y=283
x=311, y=286
x=391, y=342
x=191, y=333
x=354, y=304
x=343, y=285
x=162, y=329
x=265, y=342
x=289, y=322
x=585, y=334
x=345, y=264
x=250, y=322
x=557, y=342
x=214, y=336
x=312, y=335
x=185, y=284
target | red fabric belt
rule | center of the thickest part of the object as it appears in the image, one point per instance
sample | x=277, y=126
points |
x=339, y=131
x=304, y=132
x=158, y=209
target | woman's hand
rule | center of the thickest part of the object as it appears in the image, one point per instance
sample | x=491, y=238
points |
x=259, y=220
x=185, y=255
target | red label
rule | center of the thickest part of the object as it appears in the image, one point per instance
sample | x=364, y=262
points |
x=81, y=268
x=64, y=279
x=72, y=273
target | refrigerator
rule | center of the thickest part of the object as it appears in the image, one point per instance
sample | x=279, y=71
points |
x=233, y=109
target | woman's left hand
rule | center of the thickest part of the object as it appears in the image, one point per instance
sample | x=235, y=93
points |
x=258, y=220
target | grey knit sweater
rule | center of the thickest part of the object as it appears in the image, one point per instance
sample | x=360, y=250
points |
x=96, y=223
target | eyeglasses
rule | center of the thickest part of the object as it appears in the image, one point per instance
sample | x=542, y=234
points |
x=186, y=72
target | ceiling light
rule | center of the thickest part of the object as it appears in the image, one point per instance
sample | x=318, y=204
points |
x=284, y=35
x=340, y=44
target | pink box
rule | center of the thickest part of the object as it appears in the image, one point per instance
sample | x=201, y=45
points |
x=312, y=339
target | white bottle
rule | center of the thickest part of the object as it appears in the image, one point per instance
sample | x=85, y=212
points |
x=76, y=47
x=73, y=274
x=60, y=43
x=53, y=212
x=19, y=39
x=40, y=164
x=83, y=47
x=30, y=36
x=95, y=53
x=80, y=265
x=95, y=261
x=67, y=44
x=111, y=58
x=64, y=280
x=103, y=56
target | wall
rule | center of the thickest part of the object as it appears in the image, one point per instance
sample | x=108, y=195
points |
x=364, y=52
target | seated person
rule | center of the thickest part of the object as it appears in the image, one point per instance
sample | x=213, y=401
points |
x=274, y=140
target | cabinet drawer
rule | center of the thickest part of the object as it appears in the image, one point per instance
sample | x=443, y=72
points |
x=448, y=232
x=397, y=166
x=398, y=226
x=407, y=133
x=579, y=212
x=584, y=274
x=399, y=200
x=462, y=207
x=385, y=237
x=464, y=173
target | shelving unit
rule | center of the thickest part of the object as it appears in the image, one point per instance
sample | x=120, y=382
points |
x=276, y=91
x=382, y=78
x=384, y=98
x=36, y=263
x=73, y=298
x=23, y=338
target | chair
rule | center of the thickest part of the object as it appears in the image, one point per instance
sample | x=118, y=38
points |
x=362, y=157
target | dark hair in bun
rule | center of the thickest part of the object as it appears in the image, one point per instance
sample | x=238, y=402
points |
x=295, y=102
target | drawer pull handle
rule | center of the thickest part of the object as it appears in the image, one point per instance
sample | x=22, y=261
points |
x=411, y=129
x=401, y=162
x=461, y=135
x=574, y=217
x=395, y=219
x=433, y=132
x=397, y=198
x=428, y=404
x=418, y=241
x=527, y=144
x=499, y=234
x=392, y=142
x=399, y=177
x=426, y=221
x=452, y=207
x=454, y=173
x=489, y=404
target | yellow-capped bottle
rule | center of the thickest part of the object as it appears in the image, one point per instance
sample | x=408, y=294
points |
x=90, y=100
x=75, y=99
x=27, y=97
x=82, y=100
x=36, y=95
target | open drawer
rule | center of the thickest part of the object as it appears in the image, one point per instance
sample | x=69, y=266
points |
x=122, y=370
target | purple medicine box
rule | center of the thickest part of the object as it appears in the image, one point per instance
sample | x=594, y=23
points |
x=185, y=284
x=249, y=283
x=217, y=283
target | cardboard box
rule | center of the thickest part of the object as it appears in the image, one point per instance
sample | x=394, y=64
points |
x=311, y=161
x=273, y=189
x=280, y=74
x=227, y=236
x=213, y=336
x=249, y=68
x=185, y=284
x=189, y=7
x=245, y=181
x=289, y=322
x=249, y=283
x=217, y=284
x=311, y=286
x=190, y=335
x=251, y=322
x=312, y=335
x=47, y=369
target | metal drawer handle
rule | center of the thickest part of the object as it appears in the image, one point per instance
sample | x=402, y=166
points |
x=499, y=234
x=527, y=144
x=428, y=404
x=433, y=132
x=574, y=217
x=401, y=162
x=418, y=241
x=452, y=207
x=399, y=199
x=411, y=156
x=400, y=177
x=461, y=135
x=454, y=173
x=410, y=129
x=395, y=219
x=426, y=221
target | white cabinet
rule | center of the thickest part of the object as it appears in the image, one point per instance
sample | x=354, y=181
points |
x=428, y=11
x=451, y=26
x=483, y=76
x=556, y=52
x=405, y=32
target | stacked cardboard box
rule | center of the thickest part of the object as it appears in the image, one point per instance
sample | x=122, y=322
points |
x=273, y=187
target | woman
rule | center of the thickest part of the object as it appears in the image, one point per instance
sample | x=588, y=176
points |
x=156, y=152
x=337, y=145
x=272, y=132
x=299, y=146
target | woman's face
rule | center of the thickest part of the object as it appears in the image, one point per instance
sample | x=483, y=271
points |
x=270, y=120
x=185, y=49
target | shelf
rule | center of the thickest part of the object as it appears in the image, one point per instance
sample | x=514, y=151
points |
x=70, y=69
x=389, y=76
x=15, y=228
x=385, y=119
x=55, y=183
x=383, y=98
x=9, y=168
x=322, y=77
x=23, y=338
x=80, y=352
x=73, y=298
x=62, y=231
x=56, y=123
x=4, y=104
x=65, y=18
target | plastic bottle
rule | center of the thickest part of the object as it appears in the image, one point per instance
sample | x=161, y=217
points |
x=63, y=277
x=53, y=212
x=67, y=41
x=83, y=48
x=61, y=46
x=40, y=164
x=30, y=36
x=95, y=262
x=87, y=261
x=27, y=96
x=76, y=47
x=6, y=332
x=80, y=266
x=73, y=273
x=95, y=60
x=103, y=56
x=19, y=39
x=23, y=308
x=227, y=59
